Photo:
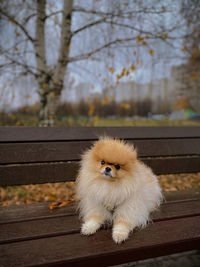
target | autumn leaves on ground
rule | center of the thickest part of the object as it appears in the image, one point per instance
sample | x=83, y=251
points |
x=27, y=194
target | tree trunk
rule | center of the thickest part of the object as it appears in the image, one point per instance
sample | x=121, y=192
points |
x=48, y=106
x=51, y=86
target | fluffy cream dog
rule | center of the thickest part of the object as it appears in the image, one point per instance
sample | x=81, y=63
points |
x=114, y=186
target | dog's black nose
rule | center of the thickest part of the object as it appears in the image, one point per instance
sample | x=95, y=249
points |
x=108, y=169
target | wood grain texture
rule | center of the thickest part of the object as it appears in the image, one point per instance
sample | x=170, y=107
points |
x=65, y=224
x=30, y=155
x=24, y=134
x=21, y=174
x=11, y=214
x=38, y=173
x=160, y=238
x=63, y=151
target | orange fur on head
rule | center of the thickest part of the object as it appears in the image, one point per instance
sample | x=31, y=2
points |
x=114, y=152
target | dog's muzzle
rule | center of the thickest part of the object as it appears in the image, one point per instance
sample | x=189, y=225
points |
x=107, y=172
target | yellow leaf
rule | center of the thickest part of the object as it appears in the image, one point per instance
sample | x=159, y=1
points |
x=118, y=76
x=91, y=109
x=106, y=100
x=123, y=72
x=151, y=52
x=60, y=204
x=96, y=118
x=173, y=189
x=165, y=36
x=125, y=105
x=181, y=103
x=111, y=69
x=144, y=43
x=134, y=53
x=139, y=39
x=132, y=67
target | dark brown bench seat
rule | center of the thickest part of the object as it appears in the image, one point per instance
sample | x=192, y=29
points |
x=33, y=235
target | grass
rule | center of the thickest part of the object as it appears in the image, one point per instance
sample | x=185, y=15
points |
x=32, y=120
x=145, y=122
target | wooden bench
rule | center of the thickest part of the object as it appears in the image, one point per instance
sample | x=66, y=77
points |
x=32, y=235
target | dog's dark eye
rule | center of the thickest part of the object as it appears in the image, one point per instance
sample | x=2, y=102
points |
x=102, y=162
x=117, y=166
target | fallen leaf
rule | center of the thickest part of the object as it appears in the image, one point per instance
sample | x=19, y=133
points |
x=55, y=205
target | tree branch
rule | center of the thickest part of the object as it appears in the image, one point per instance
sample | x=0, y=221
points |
x=53, y=14
x=85, y=56
x=88, y=26
x=121, y=13
x=13, y=20
x=25, y=66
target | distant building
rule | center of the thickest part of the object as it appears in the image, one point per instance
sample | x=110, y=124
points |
x=158, y=91
x=85, y=91
x=162, y=93
x=186, y=78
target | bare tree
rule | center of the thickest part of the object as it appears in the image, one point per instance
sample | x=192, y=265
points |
x=50, y=83
x=122, y=16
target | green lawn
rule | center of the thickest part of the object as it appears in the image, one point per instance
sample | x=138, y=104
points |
x=83, y=121
x=27, y=120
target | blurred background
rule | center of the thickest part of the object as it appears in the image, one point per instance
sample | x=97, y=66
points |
x=99, y=62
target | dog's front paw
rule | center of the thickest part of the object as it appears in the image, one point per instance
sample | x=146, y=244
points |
x=90, y=227
x=120, y=233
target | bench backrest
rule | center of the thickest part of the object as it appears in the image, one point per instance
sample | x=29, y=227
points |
x=30, y=155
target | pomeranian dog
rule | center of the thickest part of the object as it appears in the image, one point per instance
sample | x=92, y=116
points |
x=114, y=186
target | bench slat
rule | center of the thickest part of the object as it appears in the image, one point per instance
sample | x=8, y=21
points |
x=24, y=134
x=158, y=239
x=63, y=151
x=37, y=211
x=67, y=171
x=65, y=224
